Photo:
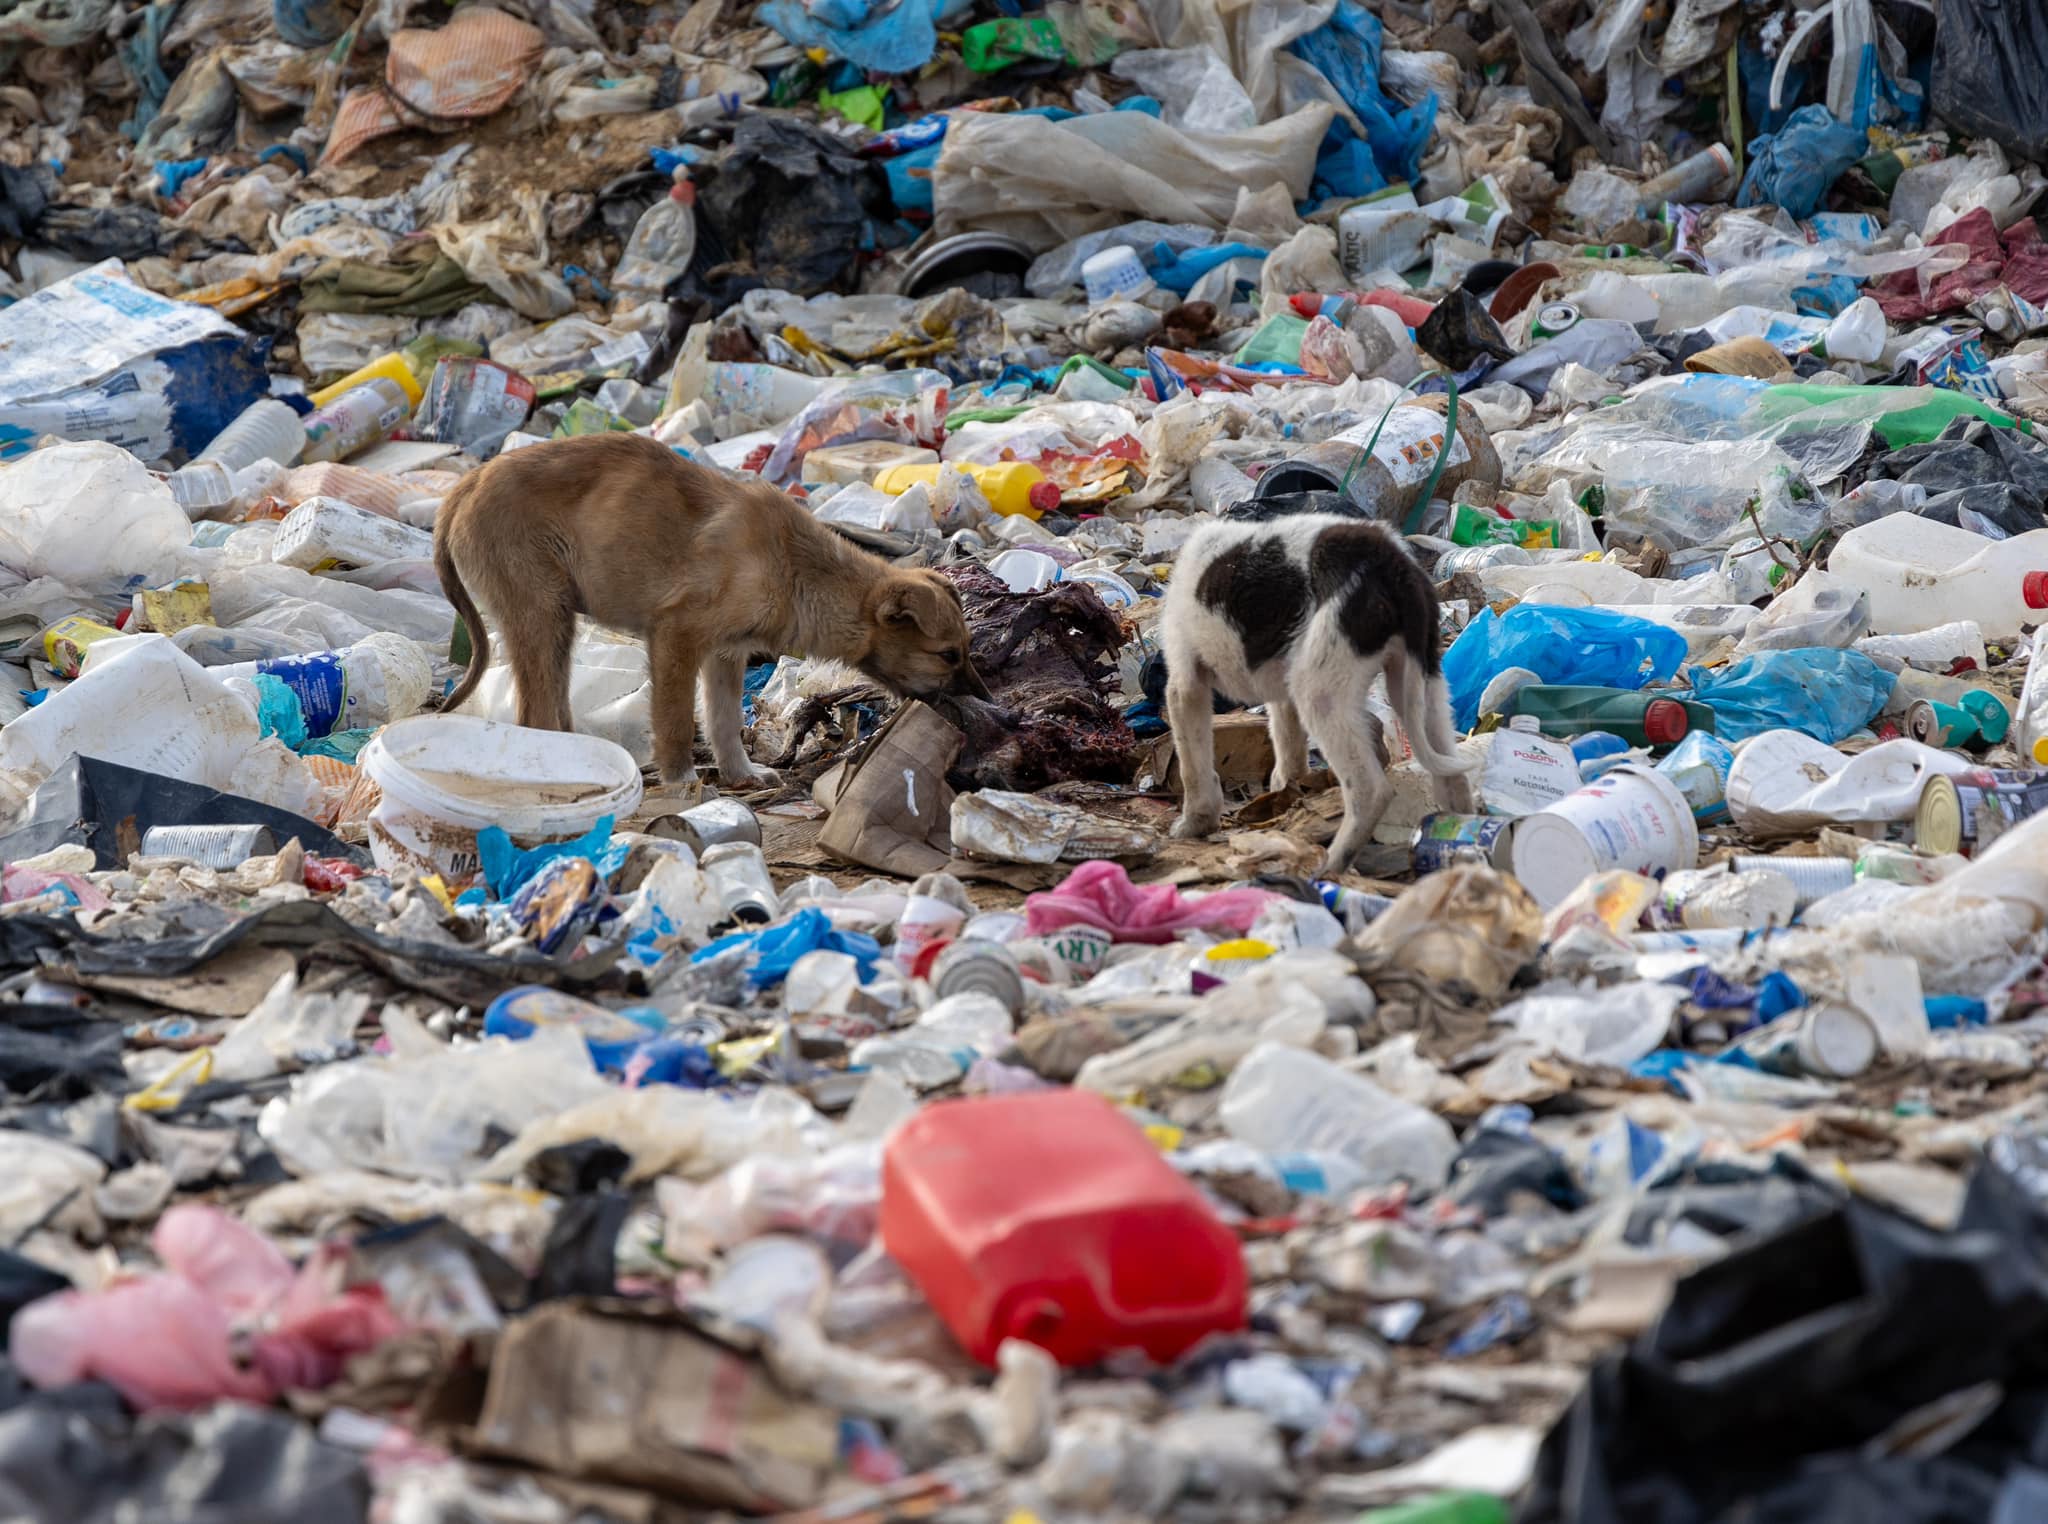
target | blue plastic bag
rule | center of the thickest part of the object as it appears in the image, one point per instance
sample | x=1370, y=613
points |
x=1828, y=694
x=1178, y=271
x=506, y=868
x=1794, y=166
x=1560, y=645
x=882, y=40
x=1346, y=49
x=778, y=947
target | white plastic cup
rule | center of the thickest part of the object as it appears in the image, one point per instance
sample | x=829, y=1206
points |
x=1629, y=817
x=266, y=430
x=1115, y=275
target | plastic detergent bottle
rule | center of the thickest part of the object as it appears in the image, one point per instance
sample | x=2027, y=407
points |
x=1011, y=486
x=392, y=367
x=1920, y=574
x=1641, y=719
x=378, y=679
x=362, y=416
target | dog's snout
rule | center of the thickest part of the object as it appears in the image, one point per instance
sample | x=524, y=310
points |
x=968, y=681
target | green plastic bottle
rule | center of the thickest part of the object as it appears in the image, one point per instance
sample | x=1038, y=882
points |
x=1565, y=710
x=1444, y=1508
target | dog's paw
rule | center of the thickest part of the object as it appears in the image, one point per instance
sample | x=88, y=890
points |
x=753, y=775
x=1334, y=864
x=683, y=783
x=1194, y=827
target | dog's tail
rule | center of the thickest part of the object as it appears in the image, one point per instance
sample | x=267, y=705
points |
x=1415, y=680
x=453, y=590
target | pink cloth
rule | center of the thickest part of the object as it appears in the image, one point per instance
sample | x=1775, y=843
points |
x=173, y=1340
x=1102, y=894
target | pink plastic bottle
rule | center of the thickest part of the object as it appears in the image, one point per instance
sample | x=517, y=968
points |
x=1051, y=1218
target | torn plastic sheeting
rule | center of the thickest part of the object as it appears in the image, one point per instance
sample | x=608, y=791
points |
x=776, y=948
x=790, y=204
x=107, y=807
x=174, y=1339
x=1990, y=57
x=1781, y=1363
x=1561, y=645
x=1044, y=182
x=59, y=1053
x=461, y=975
x=1827, y=694
x=1347, y=50
x=874, y=35
x=62, y=1459
x=1793, y=167
x=95, y=356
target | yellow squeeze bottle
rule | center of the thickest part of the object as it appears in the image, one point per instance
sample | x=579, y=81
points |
x=391, y=367
x=1011, y=486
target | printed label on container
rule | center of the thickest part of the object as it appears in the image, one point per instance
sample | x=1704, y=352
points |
x=320, y=681
x=1408, y=444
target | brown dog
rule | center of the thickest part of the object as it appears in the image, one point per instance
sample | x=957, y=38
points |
x=708, y=570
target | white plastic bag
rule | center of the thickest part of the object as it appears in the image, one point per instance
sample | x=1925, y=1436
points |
x=91, y=516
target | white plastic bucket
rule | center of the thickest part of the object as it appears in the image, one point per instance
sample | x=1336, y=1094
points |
x=445, y=777
x=1629, y=817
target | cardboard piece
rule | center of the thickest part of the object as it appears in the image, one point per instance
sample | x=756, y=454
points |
x=624, y=1393
x=892, y=810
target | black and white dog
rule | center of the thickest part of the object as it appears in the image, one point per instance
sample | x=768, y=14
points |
x=1303, y=615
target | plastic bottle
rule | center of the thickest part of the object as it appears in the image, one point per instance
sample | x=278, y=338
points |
x=1857, y=333
x=392, y=367
x=323, y=532
x=1641, y=719
x=2030, y=723
x=202, y=487
x=1935, y=650
x=363, y=416
x=1286, y=1100
x=1919, y=574
x=381, y=678
x=474, y=403
x=1011, y=486
x=1051, y=1218
x=1699, y=765
x=662, y=242
x=265, y=430
x=1688, y=180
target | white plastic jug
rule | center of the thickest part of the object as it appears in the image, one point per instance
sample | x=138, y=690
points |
x=1920, y=574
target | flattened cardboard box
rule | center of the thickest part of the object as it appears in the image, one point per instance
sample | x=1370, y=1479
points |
x=607, y=1392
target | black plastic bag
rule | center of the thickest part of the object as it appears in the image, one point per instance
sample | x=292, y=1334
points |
x=1759, y=1391
x=1990, y=57
x=792, y=208
x=105, y=806
x=233, y=1464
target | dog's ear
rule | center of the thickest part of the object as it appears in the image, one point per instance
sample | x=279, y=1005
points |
x=920, y=602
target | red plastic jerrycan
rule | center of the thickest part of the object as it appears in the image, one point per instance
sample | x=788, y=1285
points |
x=1052, y=1218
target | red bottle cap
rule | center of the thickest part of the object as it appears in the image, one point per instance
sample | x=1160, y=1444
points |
x=2035, y=590
x=1665, y=722
x=1045, y=496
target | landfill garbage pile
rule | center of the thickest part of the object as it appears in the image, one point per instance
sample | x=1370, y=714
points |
x=414, y=1115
